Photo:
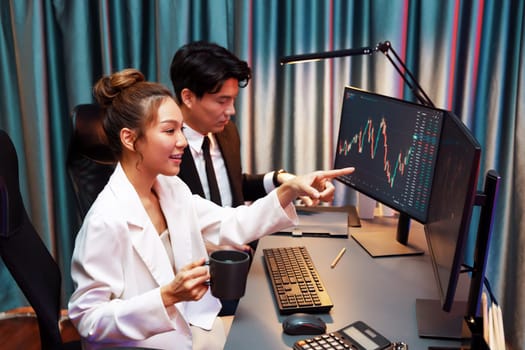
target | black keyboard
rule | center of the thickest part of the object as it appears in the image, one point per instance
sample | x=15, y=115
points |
x=296, y=284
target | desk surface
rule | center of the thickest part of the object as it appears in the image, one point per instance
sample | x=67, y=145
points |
x=379, y=291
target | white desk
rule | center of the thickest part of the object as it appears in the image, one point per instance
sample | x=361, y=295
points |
x=381, y=292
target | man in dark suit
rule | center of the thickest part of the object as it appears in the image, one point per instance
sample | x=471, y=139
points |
x=206, y=79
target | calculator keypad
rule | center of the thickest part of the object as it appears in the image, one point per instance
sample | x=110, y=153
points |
x=330, y=341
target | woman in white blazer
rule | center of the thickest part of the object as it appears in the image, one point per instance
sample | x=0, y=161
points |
x=138, y=263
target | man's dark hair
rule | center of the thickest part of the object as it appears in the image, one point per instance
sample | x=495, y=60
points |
x=203, y=67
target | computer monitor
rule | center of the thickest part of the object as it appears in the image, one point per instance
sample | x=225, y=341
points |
x=453, y=198
x=447, y=228
x=462, y=319
x=393, y=145
x=423, y=162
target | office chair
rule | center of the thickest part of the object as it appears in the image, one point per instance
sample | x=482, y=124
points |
x=90, y=161
x=27, y=258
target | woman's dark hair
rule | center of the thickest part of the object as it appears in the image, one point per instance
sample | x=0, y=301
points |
x=130, y=102
x=203, y=67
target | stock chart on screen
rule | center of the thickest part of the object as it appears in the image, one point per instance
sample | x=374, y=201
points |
x=393, y=146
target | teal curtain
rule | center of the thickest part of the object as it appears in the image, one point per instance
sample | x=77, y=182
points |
x=469, y=56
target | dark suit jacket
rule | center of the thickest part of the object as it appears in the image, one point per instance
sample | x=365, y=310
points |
x=244, y=187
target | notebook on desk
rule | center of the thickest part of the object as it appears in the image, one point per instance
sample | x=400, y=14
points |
x=324, y=221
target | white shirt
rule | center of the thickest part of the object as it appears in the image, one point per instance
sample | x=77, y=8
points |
x=195, y=144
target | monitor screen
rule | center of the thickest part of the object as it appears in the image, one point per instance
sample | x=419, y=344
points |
x=393, y=145
x=453, y=196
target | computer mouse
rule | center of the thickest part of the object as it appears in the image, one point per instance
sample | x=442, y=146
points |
x=303, y=324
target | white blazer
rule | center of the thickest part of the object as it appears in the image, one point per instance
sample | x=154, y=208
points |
x=119, y=262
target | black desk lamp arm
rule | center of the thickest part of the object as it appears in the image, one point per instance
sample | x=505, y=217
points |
x=418, y=91
x=385, y=48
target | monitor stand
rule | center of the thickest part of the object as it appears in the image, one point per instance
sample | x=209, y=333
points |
x=433, y=322
x=386, y=244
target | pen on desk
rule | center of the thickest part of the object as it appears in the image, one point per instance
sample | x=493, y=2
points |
x=337, y=258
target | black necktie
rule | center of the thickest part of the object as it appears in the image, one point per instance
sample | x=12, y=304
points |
x=210, y=173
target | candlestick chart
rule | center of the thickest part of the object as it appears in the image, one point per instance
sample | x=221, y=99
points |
x=393, y=148
x=368, y=139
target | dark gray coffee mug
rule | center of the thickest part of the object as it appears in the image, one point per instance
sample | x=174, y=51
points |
x=228, y=271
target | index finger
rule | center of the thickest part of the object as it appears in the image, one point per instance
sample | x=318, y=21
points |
x=330, y=174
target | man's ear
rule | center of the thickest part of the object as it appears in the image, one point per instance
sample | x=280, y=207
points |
x=187, y=97
x=128, y=138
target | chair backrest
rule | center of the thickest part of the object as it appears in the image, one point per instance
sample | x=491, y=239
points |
x=3, y=208
x=90, y=161
x=24, y=254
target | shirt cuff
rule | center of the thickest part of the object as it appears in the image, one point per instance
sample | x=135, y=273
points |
x=268, y=182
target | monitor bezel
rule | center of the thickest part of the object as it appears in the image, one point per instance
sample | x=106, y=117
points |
x=420, y=218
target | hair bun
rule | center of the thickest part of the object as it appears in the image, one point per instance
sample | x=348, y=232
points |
x=110, y=86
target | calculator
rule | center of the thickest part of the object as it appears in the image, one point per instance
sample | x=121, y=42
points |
x=356, y=336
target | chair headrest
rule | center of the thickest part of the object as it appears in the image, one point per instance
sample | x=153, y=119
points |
x=4, y=215
x=89, y=138
x=11, y=184
x=8, y=157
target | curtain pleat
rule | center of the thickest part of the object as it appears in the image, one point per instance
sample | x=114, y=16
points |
x=467, y=55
